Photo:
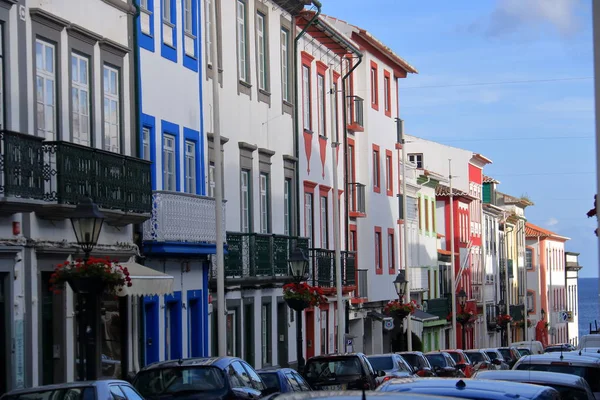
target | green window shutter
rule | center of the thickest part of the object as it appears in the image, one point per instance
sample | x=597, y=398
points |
x=400, y=208
x=487, y=193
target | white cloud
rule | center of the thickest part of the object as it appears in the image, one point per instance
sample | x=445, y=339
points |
x=552, y=222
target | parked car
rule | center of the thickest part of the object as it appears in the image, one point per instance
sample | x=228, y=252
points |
x=462, y=362
x=495, y=356
x=510, y=355
x=443, y=364
x=358, y=395
x=350, y=371
x=85, y=390
x=393, y=365
x=418, y=362
x=592, y=340
x=480, y=360
x=199, y=378
x=570, y=387
x=283, y=380
x=534, y=346
x=555, y=348
x=470, y=389
x=587, y=367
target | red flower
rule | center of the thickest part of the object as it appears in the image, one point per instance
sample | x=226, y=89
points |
x=113, y=276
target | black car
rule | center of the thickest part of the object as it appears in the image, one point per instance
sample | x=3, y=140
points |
x=341, y=372
x=510, y=354
x=418, y=362
x=393, y=365
x=443, y=364
x=283, y=380
x=200, y=378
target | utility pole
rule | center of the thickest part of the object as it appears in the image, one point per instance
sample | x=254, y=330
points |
x=452, y=261
x=400, y=127
x=341, y=311
x=483, y=255
x=596, y=42
x=221, y=311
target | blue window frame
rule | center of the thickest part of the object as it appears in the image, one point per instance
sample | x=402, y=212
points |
x=189, y=34
x=170, y=129
x=151, y=336
x=173, y=332
x=145, y=24
x=168, y=30
x=148, y=141
x=197, y=323
x=193, y=136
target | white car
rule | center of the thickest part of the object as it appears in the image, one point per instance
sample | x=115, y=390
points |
x=534, y=346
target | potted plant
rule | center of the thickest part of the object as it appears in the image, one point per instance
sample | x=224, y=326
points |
x=503, y=320
x=400, y=310
x=299, y=296
x=93, y=276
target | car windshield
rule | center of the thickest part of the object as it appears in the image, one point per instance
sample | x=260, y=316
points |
x=414, y=360
x=524, y=352
x=171, y=380
x=591, y=375
x=476, y=357
x=505, y=354
x=381, y=363
x=330, y=367
x=436, y=360
x=73, y=393
x=270, y=379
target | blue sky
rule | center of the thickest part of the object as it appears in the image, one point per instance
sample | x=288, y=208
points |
x=538, y=134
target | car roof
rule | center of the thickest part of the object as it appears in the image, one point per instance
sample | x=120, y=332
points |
x=270, y=370
x=219, y=362
x=335, y=355
x=567, y=356
x=67, y=385
x=533, y=376
x=355, y=394
x=453, y=386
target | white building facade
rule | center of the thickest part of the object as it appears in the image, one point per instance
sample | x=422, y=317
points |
x=572, y=308
x=68, y=120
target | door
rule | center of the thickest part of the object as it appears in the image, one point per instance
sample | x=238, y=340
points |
x=282, y=334
x=47, y=331
x=249, y=333
x=4, y=318
x=195, y=329
x=310, y=333
x=151, y=329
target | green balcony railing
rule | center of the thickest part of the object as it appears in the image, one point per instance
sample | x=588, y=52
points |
x=439, y=307
x=323, y=268
x=64, y=172
x=254, y=255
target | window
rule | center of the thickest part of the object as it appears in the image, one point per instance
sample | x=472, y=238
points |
x=421, y=216
x=144, y=4
x=306, y=100
x=112, y=124
x=378, y=255
x=264, y=203
x=335, y=128
x=287, y=206
x=45, y=74
x=211, y=179
x=169, y=166
x=168, y=30
x=391, y=251
x=324, y=331
x=530, y=302
x=241, y=41
x=374, y=89
x=245, y=200
x=190, y=34
x=208, y=15
x=266, y=334
x=308, y=217
x=324, y=223
x=147, y=24
x=80, y=99
x=529, y=258
x=146, y=149
x=321, y=103
x=166, y=7
x=427, y=222
x=389, y=179
x=261, y=49
x=386, y=93
x=188, y=26
x=190, y=167
x=285, y=78
x=416, y=159
x=376, y=177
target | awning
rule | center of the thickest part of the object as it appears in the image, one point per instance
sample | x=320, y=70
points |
x=420, y=315
x=146, y=281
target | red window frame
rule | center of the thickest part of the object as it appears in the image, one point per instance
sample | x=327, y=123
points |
x=374, y=86
x=307, y=60
x=322, y=72
x=376, y=182
x=378, y=253
x=389, y=173
x=392, y=265
x=387, y=83
x=309, y=187
x=324, y=193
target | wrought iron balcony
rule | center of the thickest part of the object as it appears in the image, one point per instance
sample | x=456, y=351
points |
x=357, y=206
x=51, y=177
x=439, y=307
x=182, y=217
x=355, y=112
x=323, y=268
x=258, y=259
x=363, y=284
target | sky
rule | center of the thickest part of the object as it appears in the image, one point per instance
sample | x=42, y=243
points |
x=469, y=54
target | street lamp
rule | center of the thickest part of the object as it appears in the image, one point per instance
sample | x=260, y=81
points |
x=502, y=311
x=462, y=301
x=87, y=222
x=298, y=265
x=400, y=284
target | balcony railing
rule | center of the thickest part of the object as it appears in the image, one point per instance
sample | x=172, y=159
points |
x=253, y=256
x=323, y=268
x=64, y=173
x=363, y=284
x=439, y=307
x=182, y=217
x=419, y=279
x=357, y=206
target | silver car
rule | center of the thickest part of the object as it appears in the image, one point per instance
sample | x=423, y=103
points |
x=85, y=390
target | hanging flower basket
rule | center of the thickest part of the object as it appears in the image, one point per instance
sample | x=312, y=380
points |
x=520, y=323
x=399, y=310
x=463, y=318
x=503, y=320
x=94, y=276
x=299, y=296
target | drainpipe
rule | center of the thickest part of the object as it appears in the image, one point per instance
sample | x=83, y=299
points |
x=317, y=4
x=346, y=175
x=507, y=281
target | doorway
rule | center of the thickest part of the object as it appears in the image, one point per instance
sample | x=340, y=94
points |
x=310, y=333
x=47, y=331
x=5, y=318
x=282, y=334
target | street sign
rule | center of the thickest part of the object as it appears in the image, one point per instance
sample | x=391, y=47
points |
x=564, y=316
x=388, y=324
